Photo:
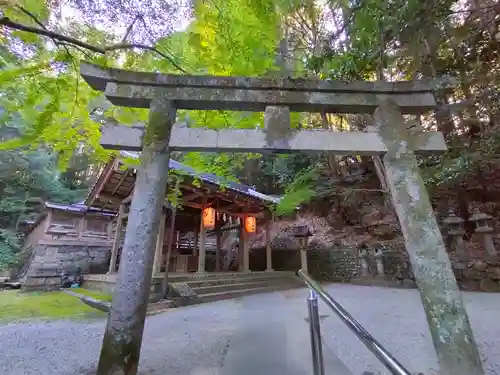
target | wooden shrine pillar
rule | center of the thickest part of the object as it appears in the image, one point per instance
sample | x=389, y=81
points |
x=244, y=248
x=122, y=340
x=218, y=233
x=269, y=255
x=203, y=237
x=196, y=234
x=116, y=241
x=170, y=236
x=159, y=245
x=448, y=322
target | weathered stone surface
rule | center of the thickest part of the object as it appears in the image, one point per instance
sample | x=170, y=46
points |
x=277, y=128
x=183, y=294
x=207, y=98
x=479, y=265
x=488, y=285
x=257, y=140
x=48, y=262
x=92, y=302
x=494, y=273
x=97, y=76
x=123, y=336
x=473, y=274
x=448, y=321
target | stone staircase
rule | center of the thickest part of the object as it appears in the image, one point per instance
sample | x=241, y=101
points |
x=195, y=288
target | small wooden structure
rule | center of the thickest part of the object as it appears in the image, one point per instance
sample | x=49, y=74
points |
x=64, y=237
x=185, y=240
x=60, y=223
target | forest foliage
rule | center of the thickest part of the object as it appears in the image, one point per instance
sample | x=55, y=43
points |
x=50, y=117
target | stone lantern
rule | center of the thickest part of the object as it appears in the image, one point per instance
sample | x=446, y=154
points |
x=378, y=256
x=456, y=231
x=302, y=233
x=483, y=228
x=363, y=254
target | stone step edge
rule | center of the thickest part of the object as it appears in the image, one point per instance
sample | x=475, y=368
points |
x=242, y=292
x=231, y=286
x=232, y=281
x=193, y=276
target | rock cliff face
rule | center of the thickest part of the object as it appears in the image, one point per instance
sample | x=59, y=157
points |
x=358, y=217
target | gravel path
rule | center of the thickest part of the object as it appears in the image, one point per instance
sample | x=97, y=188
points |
x=262, y=334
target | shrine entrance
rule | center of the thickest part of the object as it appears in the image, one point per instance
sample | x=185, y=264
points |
x=209, y=228
x=391, y=138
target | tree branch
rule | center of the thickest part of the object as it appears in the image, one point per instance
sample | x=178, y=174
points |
x=32, y=16
x=122, y=46
x=129, y=29
x=102, y=50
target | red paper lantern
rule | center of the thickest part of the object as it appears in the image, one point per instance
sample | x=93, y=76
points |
x=250, y=224
x=209, y=218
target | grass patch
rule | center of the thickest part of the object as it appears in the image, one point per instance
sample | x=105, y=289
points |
x=47, y=305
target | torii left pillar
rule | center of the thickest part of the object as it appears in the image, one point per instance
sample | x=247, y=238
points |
x=123, y=337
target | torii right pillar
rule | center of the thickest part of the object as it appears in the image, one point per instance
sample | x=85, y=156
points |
x=448, y=322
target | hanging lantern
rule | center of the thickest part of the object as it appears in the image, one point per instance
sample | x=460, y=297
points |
x=208, y=217
x=250, y=224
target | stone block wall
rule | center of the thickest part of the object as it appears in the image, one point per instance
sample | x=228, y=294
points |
x=49, y=260
x=478, y=274
x=343, y=265
x=324, y=265
x=333, y=265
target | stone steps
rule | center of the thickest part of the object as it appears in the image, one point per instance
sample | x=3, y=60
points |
x=229, y=294
x=213, y=287
x=234, y=280
x=160, y=306
x=216, y=288
x=216, y=276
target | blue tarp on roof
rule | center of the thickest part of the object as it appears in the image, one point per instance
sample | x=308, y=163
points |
x=213, y=179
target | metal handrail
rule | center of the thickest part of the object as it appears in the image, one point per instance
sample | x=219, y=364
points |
x=382, y=354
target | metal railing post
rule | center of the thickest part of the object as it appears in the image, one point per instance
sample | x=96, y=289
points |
x=315, y=329
x=373, y=345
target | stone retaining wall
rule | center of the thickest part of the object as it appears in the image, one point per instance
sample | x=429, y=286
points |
x=343, y=265
x=477, y=274
x=325, y=265
x=49, y=260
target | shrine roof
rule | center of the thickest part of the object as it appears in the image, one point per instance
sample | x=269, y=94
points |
x=115, y=184
x=213, y=179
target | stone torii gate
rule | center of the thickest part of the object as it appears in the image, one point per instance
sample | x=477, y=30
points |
x=387, y=101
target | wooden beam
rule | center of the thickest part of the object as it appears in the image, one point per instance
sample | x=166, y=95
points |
x=236, y=214
x=124, y=176
x=187, y=198
x=110, y=198
x=159, y=245
x=101, y=181
x=116, y=241
x=203, y=238
x=171, y=228
x=244, y=140
x=269, y=254
x=218, y=233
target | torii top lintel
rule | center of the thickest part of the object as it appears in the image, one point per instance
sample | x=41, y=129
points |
x=137, y=89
